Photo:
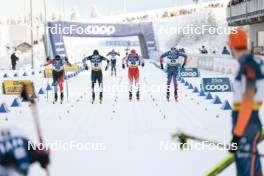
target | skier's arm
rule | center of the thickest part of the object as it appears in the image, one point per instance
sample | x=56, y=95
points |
x=84, y=62
x=162, y=60
x=123, y=61
x=142, y=61
x=107, y=60
x=67, y=62
x=48, y=63
x=246, y=106
x=185, y=59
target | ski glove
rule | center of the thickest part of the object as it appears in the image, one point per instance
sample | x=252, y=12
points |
x=183, y=65
x=234, y=144
x=43, y=158
x=106, y=68
x=161, y=66
x=86, y=67
x=143, y=64
x=40, y=155
x=123, y=66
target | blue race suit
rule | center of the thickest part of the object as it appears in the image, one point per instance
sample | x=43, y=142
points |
x=251, y=70
x=113, y=55
x=14, y=151
x=97, y=75
x=173, y=67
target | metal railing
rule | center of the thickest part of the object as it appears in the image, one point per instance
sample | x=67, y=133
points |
x=245, y=10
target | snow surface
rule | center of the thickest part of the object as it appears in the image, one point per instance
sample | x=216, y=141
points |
x=131, y=132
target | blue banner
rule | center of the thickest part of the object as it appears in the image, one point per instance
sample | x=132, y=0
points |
x=216, y=85
x=189, y=72
x=58, y=29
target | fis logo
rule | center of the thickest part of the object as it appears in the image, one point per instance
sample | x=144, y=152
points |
x=102, y=30
x=189, y=72
x=217, y=84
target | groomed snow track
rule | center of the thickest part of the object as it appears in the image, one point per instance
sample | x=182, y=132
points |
x=131, y=132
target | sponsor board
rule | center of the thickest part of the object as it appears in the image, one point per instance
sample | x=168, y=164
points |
x=189, y=72
x=72, y=68
x=13, y=87
x=216, y=85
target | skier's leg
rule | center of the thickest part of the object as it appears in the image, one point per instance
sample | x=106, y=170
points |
x=93, y=77
x=55, y=84
x=175, y=74
x=55, y=91
x=169, y=78
x=248, y=164
x=60, y=82
x=100, y=82
x=112, y=69
x=136, y=77
x=115, y=69
x=130, y=79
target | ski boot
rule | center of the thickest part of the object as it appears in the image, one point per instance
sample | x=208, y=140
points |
x=130, y=96
x=168, y=96
x=138, y=96
x=55, y=98
x=93, y=97
x=62, y=97
x=101, y=97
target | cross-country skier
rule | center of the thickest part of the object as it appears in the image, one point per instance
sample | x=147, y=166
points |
x=113, y=55
x=248, y=97
x=174, y=64
x=58, y=73
x=17, y=153
x=133, y=61
x=96, y=64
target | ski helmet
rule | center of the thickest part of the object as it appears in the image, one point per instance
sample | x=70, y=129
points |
x=57, y=57
x=95, y=52
x=133, y=51
x=239, y=39
x=173, y=49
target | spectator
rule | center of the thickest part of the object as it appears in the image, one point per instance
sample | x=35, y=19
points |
x=225, y=51
x=203, y=50
x=14, y=60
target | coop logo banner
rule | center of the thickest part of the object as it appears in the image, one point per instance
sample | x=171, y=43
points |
x=73, y=29
x=217, y=84
x=189, y=72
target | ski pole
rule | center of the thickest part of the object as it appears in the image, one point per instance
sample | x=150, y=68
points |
x=47, y=90
x=28, y=93
x=183, y=137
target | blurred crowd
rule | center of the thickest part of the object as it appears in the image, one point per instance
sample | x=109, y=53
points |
x=204, y=50
x=167, y=13
x=235, y=2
